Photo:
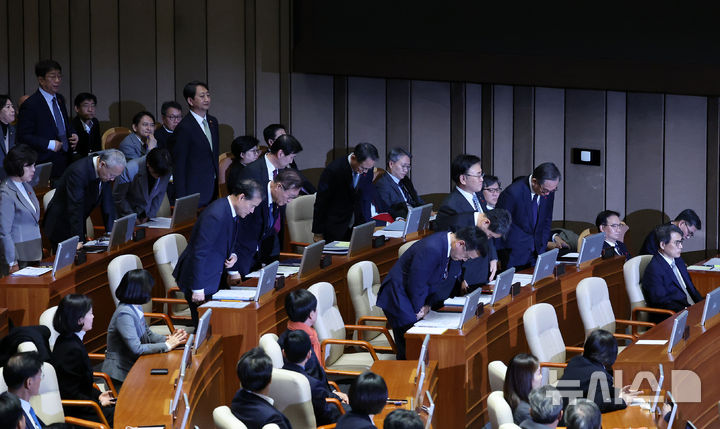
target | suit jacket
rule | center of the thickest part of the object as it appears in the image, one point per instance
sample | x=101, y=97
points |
x=580, y=370
x=529, y=423
x=77, y=193
x=257, y=171
x=87, y=142
x=163, y=138
x=312, y=366
x=232, y=173
x=389, y=192
x=525, y=240
x=128, y=337
x=212, y=241
x=325, y=413
x=619, y=249
x=195, y=163
x=650, y=244
x=132, y=193
x=255, y=412
x=11, y=143
x=256, y=240
x=132, y=147
x=661, y=287
x=19, y=227
x=29, y=425
x=36, y=127
x=73, y=368
x=424, y=275
x=353, y=420
x=521, y=412
x=337, y=201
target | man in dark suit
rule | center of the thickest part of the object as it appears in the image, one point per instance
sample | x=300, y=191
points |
x=394, y=188
x=345, y=194
x=270, y=134
x=84, y=185
x=546, y=408
x=251, y=405
x=86, y=125
x=530, y=202
x=44, y=122
x=142, y=186
x=689, y=223
x=11, y=412
x=666, y=282
x=424, y=277
x=23, y=375
x=196, y=147
x=279, y=156
x=7, y=131
x=171, y=112
x=608, y=221
x=212, y=247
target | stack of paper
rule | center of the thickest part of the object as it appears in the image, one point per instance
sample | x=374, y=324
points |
x=337, y=248
x=235, y=294
x=283, y=270
x=435, y=319
x=32, y=271
x=523, y=279
x=224, y=304
x=158, y=222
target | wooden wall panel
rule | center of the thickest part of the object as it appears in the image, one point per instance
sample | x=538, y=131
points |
x=473, y=119
x=105, y=61
x=190, y=44
x=366, y=114
x=502, y=133
x=712, y=177
x=165, y=55
x=59, y=26
x=550, y=138
x=614, y=156
x=523, y=129
x=267, y=30
x=31, y=43
x=312, y=113
x=430, y=125
x=15, y=49
x=80, y=69
x=458, y=132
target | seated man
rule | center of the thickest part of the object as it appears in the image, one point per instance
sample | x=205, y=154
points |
x=142, y=185
x=583, y=414
x=23, y=375
x=11, y=412
x=403, y=419
x=688, y=221
x=297, y=350
x=608, y=221
x=546, y=408
x=666, y=282
x=251, y=405
x=394, y=188
x=301, y=308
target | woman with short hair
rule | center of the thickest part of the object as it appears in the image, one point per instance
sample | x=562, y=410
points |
x=368, y=396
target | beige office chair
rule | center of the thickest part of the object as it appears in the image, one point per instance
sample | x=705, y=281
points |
x=363, y=280
x=224, y=161
x=499, y=411
x=545, y=340
x=509, y=426
x=225, y=419
x=46, y=319
x=596, y=309
x=331, y=333
x=299, y=214
x=269, y=343
x=90, y=229
x=111, y=138
x=167, y=249
x=291, y=392
x=405, y=247
x=496, y=375
x=633, y=271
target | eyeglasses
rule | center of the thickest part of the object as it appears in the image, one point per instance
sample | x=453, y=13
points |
x=53, y=76
x=545, y=191
x=481, y=175
x=174, y=117
x=678, y=243
x=613, y=226
x=493, y=190
x=404, y=166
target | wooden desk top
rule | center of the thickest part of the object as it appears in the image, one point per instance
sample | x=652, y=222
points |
x=630, y=417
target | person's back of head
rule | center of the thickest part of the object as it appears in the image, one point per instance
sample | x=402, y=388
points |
x=254, y=370
x=474, y=239
x=368, y=393
x=519, y=378
x=546, y=171
x=690, y=217
x=403, y=419
x=299, y=304
x=297, y=346
x=500, y=221
x=286, y=143
x=546, y=405
x=270, y=133
x=601, y=346
x=583, y=414
x=289, y=178
x=21, y=367
x=365, y=151
x=11, y=412
x=160, y=160
x=135, y=287
x=249, y=188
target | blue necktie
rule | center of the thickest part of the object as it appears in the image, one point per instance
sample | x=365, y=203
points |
x=35, y=418
x=534, y=210
x=60, y=123
x=356, y=178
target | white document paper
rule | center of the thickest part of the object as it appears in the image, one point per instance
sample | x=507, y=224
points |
x=424, y=331
x=158, y=222
x=651, y=342
x=713, y=261
x=32, y=271
x=701, y=268
x=457, y=301
x=435, y=319
x=224, y=304
x=571, y=255
x=388, y=234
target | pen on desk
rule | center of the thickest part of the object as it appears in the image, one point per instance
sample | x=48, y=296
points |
x=397, y=401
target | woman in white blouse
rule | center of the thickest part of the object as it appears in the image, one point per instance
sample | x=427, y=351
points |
x=19, y=211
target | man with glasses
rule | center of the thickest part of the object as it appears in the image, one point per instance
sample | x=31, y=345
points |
x=171, y=112
x=530, y=202
x=666, y=282
x=86, y=125
x=394, y=188
x=608, y=221
x=689, y=223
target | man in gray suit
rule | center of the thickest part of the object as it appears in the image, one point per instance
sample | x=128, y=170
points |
x=141, y=187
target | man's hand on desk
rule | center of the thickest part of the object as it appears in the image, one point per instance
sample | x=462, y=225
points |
x=464, y=287
x=423, y=311
x=627, y=394
x=234, y=278
x=317, y=237
x=198, y=297
x=14, y=267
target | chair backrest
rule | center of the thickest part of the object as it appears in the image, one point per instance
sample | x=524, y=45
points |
x=509, y=426
x=363, y=280
x=225, y=419
x=496, y=375
x=633, y=271
x=47, y=197
x=116, y=270
x=329, y=323
x=499, y=411
x=46, y=319
x=167, y=249
x=269, y=343
x=291, y=392
x=47, y=403
x=111, y=138
x=543, y=334
x=582, y=236
x=405, y=247
x=224, y=162
x=594, y=304
x=299, y=218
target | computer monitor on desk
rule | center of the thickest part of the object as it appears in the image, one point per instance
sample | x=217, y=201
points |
x=591, y=247
x=503, y=284
x=65, y=255
x=678, y=330
x=545, y=265
x=712, y=306
x=310, y=261
x=361, y=238
x=201, y=333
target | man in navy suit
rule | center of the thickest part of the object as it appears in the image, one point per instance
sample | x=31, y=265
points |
x=666, y=282
x=23, y=375
x=689, y=223
x=86, y=125
x=345, y=195
x=425, y=276
x=608, y=221
x=394, y=188
x=251, y=405
x=279, y=156
x=271, y=133
x=196, y=147
x=530, y=202
x=212, y=247
x=171, y=114
x=44, y=123
x=11, y=412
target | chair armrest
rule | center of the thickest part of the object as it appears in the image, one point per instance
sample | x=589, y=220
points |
x=96, y=356
x=633, y=315
x=334, y=385
x=381, y=329
x=169, y=300
x=363, y=344
x=299, y=243
x=107, y=380
x=330, y=426
x=86, y=403
x=553, y=365
x=635, y=324
x=364, y=319
x=84, y=423
x=171, y=291
x=164, y=317
x=337, y=403
x=574, y=349
x=290, y=255
x=625, y=337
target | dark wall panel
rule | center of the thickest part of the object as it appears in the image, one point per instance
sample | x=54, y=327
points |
x=80, y=76
x=473, y=119
x=165, y=55
x=614, y=156
x=366, y=114
x=31, y=43
x=398, y=113
x=267, y=30
x=550, y=138
x=16, y=50
x=59, y=25
x=105, y=61
x=431, y=136
x=523, y=129
x=4, y=59
x=190, y=43
x=312, y=113
x=502, y=133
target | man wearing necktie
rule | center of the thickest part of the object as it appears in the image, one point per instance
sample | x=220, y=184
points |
x=666, y=282
x=23, y=375
x=44, y=123
x=608, y=221
x=280, y=155
x=394, y=188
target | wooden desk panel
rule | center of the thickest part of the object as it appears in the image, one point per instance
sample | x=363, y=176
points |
x=400, y=379
x=4, y=328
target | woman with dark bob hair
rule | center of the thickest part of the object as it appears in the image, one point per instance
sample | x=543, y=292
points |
x=128, y=336
x=73, y=318
x=523, y=375
x=368, y=396
x=19, y=211
x=593, y=370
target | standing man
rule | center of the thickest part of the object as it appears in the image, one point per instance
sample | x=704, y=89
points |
x=196, y=147
x=345, y=193
x=687, y=220
x=86, y=125
x=44, y=122
x=171, y=112
x=279, y=156
x=530, y=202
x=270, y=134
x=394, y=188
x=212, y=246
x=424, y=277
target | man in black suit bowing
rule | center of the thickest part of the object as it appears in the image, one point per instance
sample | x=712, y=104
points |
x=395, y=189
x=196, y=147
x=23, y=375
x=86, y=125
x=279, y=156
x=44, y=122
